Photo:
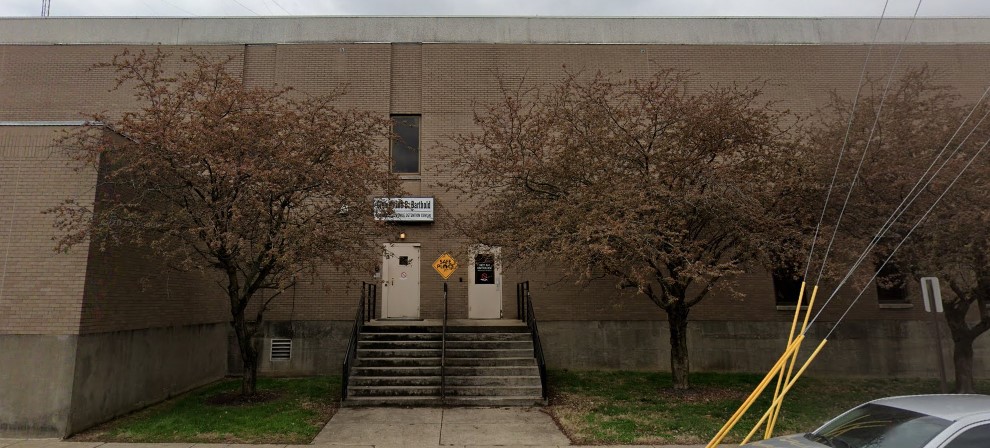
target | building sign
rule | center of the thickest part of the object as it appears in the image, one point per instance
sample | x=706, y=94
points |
x=404, y=209
x=484, y=269
x=445, y=265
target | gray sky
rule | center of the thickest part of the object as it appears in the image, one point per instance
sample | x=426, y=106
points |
x=869, y=8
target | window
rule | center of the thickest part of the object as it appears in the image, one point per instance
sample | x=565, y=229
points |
x=891, y=285
x=405, y=146
x=978, y=437
x=786, y=287
x=877, y=426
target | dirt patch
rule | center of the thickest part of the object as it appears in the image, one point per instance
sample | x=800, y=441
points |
x=236, y=399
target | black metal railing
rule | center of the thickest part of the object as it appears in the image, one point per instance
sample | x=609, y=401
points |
x=365, y=312
x=371, y=293
x=443, y=350
x=524, y=308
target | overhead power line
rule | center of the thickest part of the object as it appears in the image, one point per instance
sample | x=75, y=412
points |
x=245, y=7
x=280, y=7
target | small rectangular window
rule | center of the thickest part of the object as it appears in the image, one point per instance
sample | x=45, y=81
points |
x=786, y=287
x=405, y=144
x=891, y=285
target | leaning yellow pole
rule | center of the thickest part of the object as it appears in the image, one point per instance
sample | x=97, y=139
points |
x=790, y=367
x=787, y=388
x=790, y=339
x=756, y=393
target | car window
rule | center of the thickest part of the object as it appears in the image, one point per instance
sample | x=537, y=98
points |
x=878, y=426
x=977, y=437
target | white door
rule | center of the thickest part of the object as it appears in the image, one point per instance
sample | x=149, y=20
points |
x=400, y=281
x=484, y=283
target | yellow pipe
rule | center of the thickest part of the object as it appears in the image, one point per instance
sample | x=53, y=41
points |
x=786, y=389
x=790, y=339
x=790, y=366
x=753, y=396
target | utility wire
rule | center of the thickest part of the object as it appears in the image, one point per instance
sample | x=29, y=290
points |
x=180, y=8
x=912, y=195
x=862, y=159
x=280, y=7
x=906, y=236
x=245, y=7
x=869, y=140
x=842, y=149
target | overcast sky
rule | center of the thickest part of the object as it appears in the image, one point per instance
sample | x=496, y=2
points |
x=869, y=8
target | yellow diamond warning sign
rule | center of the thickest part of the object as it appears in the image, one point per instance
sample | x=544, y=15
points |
x=445, y=265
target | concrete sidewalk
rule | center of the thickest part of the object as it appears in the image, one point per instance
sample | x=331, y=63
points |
x=441, y=427
x=394, y=427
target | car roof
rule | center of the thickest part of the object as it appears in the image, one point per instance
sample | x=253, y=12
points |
x=948, y=407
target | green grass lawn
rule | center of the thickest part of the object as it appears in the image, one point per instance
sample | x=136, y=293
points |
x=621, y=407
x=297, y=410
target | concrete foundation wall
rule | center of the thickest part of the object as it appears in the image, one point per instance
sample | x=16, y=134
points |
x=317, y=348
x=35, y=384
x=859, y=348
x=119, y=372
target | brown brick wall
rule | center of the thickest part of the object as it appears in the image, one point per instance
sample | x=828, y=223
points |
x=82, y=291
x=406, y=87
x=40, y=290
x=59, y=82
x=444, y=82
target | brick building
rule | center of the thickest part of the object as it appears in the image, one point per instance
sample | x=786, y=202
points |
x=89, y=335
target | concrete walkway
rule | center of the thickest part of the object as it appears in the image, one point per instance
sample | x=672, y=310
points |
x=441, y=427
x=394, y=427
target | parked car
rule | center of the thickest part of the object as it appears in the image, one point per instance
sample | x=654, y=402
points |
x=919, y=421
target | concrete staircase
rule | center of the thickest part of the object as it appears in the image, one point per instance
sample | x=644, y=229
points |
x=488, y=363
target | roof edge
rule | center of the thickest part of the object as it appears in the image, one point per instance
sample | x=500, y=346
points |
x=500, y=30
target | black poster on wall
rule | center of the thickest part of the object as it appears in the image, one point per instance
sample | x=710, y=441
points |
x=484, y=269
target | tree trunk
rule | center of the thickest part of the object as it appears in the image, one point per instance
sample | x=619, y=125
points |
x=249, y=355
x=962, y=358
x=677, y=316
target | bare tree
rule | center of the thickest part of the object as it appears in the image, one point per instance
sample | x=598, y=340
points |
x=920, y=117
x=667, y=188
x=252, y=183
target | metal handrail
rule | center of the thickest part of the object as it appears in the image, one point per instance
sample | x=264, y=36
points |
x=351, y=354
x=443, y=350
x=524, y=306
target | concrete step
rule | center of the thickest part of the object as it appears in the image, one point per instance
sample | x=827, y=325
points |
x=479, y=362
x=399, y=353
x=516, y=336
x=401, y=328
x=393, y=391
x=400, y=345
x=388, y=336
x=519, y=380
x=490, y=345
x=488, y=353
x=397, y=371
x=407, y=380
x=528, y=370
x=521, y=328
x=494, y=391
x=536, y=400
x=393, y=401
x=398, y=362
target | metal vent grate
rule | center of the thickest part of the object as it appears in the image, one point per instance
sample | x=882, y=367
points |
x=281, y=349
